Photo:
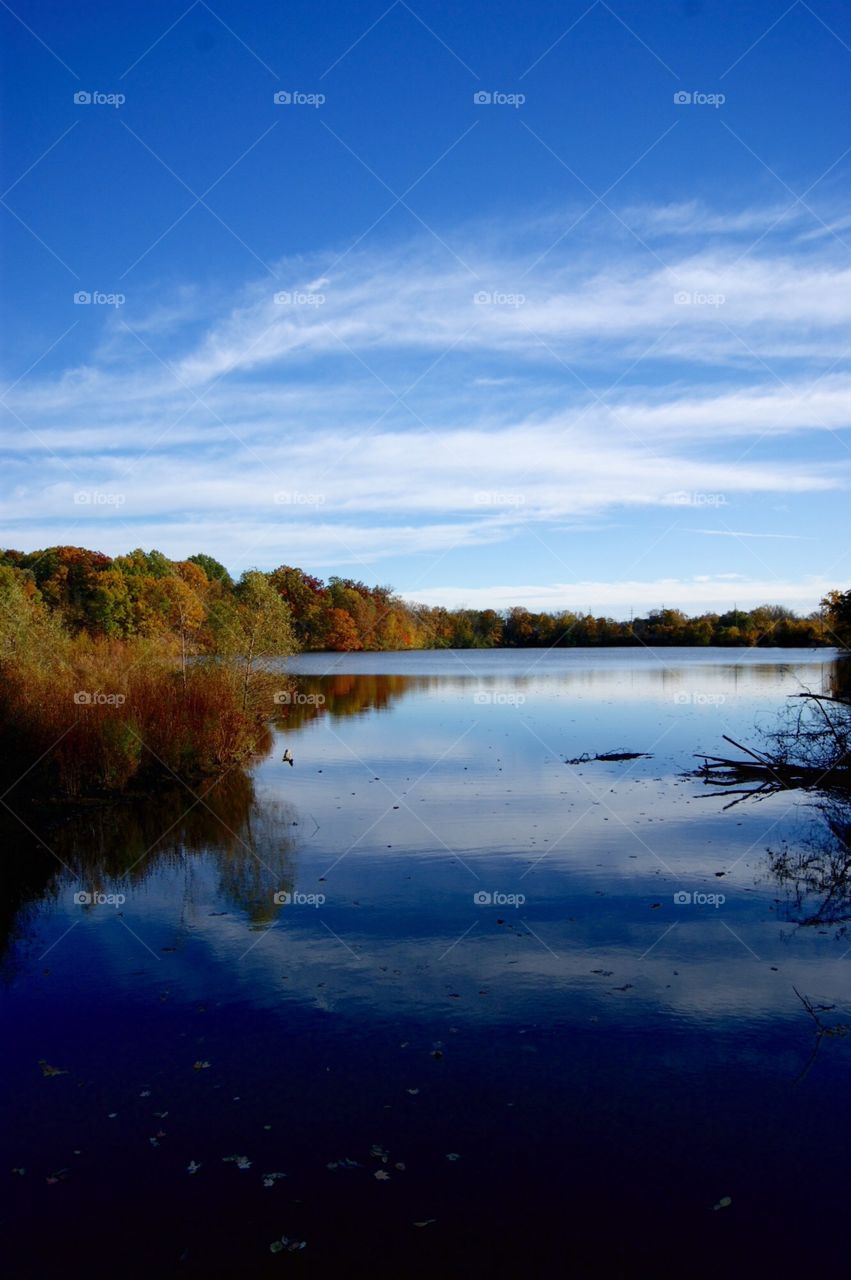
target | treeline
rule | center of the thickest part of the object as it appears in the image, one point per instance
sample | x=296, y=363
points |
x=98, y=690
x=197, y=603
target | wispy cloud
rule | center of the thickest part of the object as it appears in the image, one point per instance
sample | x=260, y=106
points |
x=392, y=403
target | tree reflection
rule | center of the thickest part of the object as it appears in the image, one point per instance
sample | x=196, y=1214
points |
x=815, y=872
x=104, y=848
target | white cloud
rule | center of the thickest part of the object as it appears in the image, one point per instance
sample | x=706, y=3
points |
x=408, y=418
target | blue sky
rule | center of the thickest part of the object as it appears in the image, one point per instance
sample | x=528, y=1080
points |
x=479, y=309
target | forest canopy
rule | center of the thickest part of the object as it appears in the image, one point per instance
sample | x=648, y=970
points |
x=196, y=602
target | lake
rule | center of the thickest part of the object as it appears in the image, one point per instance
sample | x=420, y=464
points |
x=431, y=1000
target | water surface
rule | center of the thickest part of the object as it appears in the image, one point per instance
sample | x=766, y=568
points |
x=553, y=1006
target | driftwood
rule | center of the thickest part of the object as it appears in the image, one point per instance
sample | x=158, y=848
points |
x=610, y=755
x=809, y=756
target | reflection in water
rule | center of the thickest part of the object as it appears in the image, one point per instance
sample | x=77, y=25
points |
x=815, y=870
x=110, y=848
x=619, y=1046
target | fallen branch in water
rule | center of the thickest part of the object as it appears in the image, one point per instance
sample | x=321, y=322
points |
x=585, y=758
x=809, y=755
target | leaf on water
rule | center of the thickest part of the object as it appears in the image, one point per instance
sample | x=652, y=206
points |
x=146, y=1093
x=242, y=1162
x=269, y=1179
x=453, y=1155
x=193, y=1166
x=20, y=1172
x=161, y=1115
x=48, y=1070
x=292, y=1245
x=276, y=1247
x=201, y=1065
x=381, y=1176
x=426, y=1222
x=413, y=1092
x=400, y=1166
x=724, y=1202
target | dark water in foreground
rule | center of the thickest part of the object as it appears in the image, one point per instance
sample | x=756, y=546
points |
x=476, y=982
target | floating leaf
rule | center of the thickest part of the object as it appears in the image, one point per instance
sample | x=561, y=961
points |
x=381, y=1175
x=453, y=1155
x=426, y=1222
x=269, y=1179
x=276, y=1247
x=413, y=1092
x=724, y=1202
x=193, y=1166
x=241, y=1162
x=48, y=1070
x=201, y=1065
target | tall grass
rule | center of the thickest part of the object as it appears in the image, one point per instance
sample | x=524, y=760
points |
x=99, y=715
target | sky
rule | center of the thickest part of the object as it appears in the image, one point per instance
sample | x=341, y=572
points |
x=497, y=303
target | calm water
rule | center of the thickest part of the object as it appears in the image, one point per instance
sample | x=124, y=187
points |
x=434, y=952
